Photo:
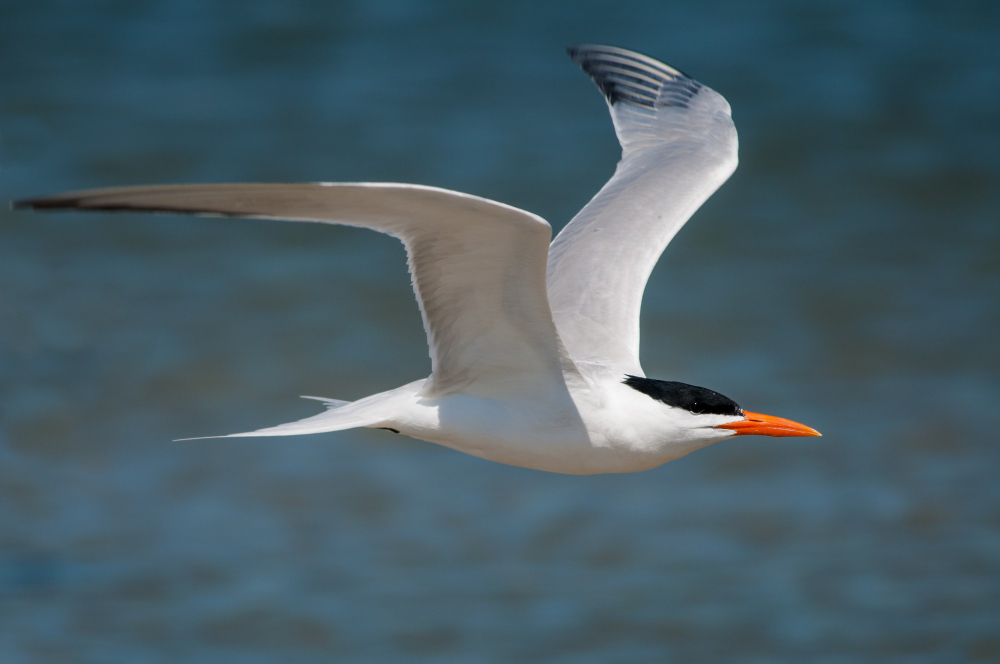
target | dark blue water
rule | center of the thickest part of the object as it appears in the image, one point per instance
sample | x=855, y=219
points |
x=848, y=276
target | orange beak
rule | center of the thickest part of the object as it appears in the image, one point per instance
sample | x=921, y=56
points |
x=756, y=424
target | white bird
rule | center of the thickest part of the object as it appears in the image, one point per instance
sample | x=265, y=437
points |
x=534, y=347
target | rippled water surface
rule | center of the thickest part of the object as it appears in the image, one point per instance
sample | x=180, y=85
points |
x=847, y=277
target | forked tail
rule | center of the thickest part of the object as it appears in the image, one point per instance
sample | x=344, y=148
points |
x=378, y=409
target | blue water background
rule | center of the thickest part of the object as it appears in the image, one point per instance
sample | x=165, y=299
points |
x=848, y=276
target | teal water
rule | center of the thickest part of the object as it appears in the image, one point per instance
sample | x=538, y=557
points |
x=846, y=277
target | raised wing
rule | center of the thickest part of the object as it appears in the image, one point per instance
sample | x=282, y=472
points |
x=478, y=266
x=678, y=146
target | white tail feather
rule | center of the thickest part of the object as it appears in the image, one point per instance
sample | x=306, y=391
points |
x=376, y=410
x=329, y=403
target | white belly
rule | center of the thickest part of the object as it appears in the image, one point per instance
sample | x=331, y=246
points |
x=578, y=439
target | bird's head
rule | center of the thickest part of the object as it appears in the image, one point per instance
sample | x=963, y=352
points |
x=709, y=416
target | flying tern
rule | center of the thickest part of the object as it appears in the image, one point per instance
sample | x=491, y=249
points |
x=534, y=346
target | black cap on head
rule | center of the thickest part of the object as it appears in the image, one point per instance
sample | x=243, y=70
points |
x=698, y=400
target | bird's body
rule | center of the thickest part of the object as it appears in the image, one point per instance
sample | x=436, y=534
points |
x=534, y=348
x=603, y=426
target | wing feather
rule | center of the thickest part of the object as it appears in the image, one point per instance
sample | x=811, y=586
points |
x=678, y=146
x=478, y=266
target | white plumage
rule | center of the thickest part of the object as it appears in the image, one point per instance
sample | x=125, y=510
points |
x=534, y=348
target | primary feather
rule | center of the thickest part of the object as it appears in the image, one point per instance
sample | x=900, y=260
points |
x=478, y=266
x=678, y=146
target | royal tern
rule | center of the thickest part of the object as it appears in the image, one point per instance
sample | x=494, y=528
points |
x=534, y=347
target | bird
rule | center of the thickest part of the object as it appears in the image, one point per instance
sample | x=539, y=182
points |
x=534, y=345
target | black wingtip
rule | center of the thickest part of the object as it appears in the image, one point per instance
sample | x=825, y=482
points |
x=633, y=78
x=51, y=202
x=40, y=203
x=82, y=203
x=577, y=52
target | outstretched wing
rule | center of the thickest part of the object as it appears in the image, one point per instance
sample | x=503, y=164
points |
x=678, y=146
x=478, y=266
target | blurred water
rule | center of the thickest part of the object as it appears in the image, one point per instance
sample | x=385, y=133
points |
x=847, y=277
